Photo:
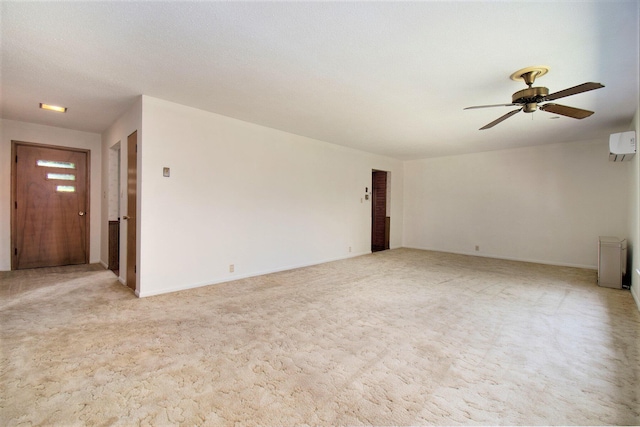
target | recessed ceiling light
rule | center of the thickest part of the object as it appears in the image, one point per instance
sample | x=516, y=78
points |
x=554, y=117
x=53, y=108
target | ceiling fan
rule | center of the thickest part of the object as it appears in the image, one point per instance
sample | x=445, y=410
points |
x=529, y=99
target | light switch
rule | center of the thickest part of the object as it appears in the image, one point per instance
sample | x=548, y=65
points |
x=166, y=172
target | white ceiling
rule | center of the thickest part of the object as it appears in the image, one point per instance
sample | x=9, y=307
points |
x=385, y=77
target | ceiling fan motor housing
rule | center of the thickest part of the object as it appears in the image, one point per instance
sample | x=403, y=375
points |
x=530, y=97
x=530, y=94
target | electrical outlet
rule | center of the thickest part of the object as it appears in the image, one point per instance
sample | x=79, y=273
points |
x=477, y=248
x=349, y=248
x=232, y=268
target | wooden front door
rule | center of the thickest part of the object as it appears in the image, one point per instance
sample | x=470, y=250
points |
x=379, y=240
x=132, y=204
x=50, y=215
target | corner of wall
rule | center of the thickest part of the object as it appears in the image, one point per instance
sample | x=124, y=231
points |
x=120, y=129
x=634, y=214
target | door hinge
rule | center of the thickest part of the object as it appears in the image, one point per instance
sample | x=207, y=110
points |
x=16, y=159
x=16, y=205
x=135, y=268
x=136, y=148
x=15, y=251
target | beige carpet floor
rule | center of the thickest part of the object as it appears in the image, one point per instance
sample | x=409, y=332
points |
x=401, y=337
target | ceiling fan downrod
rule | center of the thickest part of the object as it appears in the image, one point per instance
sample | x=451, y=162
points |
x=530, y=77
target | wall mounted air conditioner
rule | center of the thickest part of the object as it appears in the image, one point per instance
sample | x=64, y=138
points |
x=622, y=146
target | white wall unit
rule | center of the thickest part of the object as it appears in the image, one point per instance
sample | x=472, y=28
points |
x=622, y=146
x=543, y=204
x=612, y=261
x=29, y=132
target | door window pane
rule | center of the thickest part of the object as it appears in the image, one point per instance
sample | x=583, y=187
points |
x=56, y=164
x=65, y=188
x=61, y=176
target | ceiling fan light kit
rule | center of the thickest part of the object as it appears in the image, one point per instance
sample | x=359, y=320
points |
x=529, y=99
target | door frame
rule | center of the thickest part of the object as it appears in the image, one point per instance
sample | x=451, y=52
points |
x=131, y=273
x=14, y=193
x=385, y=218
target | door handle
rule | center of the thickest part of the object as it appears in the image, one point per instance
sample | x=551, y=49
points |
x=126, y=217
x=81, y=213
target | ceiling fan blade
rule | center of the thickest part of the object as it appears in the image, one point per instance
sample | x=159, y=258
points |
x=584, y=87
x=488, y=106
x=563, y=110
x=502, y=118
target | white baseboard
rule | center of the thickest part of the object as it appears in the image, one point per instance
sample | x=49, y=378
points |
x=243, y=276
x=535, y=261
x=635, y=290
x=351, y=255
x=636, y=298
x=106, y=267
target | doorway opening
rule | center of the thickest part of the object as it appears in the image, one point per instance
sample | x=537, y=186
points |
x=114, y=194
x=380, y=210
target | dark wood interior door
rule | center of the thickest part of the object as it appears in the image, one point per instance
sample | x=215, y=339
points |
x=132, y=204
x=50, y=207
x=379, y=211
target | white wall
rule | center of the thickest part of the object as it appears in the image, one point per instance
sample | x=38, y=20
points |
x=634, y=215
x=543, y=204
x=112, y=163
x=242, y=194
x=28, y=132
x=118, y=132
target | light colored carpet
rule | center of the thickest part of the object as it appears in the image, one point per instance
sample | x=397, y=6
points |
x=401, y=337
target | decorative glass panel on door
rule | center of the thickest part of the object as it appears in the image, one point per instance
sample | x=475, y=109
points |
x=66, y=189
x=61, y=176
x=56, y=164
